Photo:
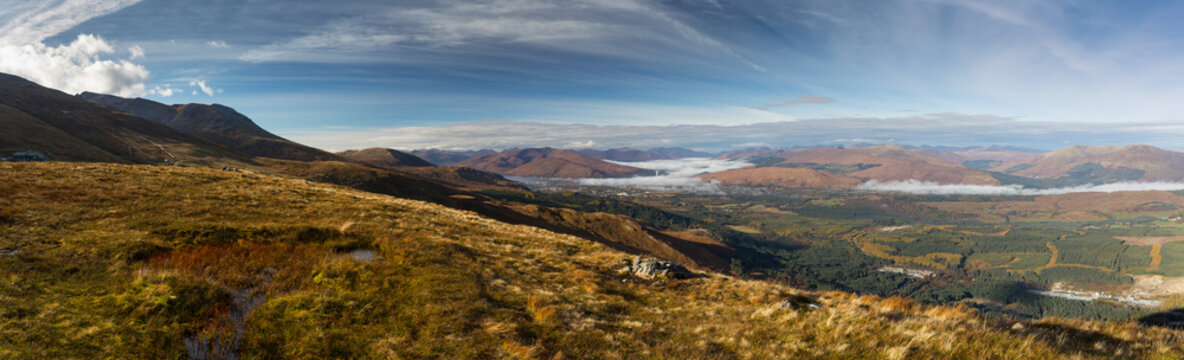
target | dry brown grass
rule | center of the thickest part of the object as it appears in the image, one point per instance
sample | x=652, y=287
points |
x=116, y=260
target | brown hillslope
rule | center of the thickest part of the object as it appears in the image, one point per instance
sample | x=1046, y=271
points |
x=549, y=162
x=882, y=163
x=1157, y=164
x=783, y=177
x=383, y=157
x=455, y=176
x=216, y=123
x=627, y=234
x=336, y=273
x=67, y=128
x=959, y=156
x=895, y=164
x=449, y=157
x=630, y=154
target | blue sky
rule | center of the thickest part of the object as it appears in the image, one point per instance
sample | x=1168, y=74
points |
x=706, y=74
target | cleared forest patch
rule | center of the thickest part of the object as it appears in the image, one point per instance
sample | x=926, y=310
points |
x=1149, y=240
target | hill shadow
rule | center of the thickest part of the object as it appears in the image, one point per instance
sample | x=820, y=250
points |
x=1172, y=319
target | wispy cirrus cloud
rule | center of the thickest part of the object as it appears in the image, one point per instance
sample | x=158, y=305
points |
x=28, y=22
x=809, y=99
x=610, y=28
x=933, y=129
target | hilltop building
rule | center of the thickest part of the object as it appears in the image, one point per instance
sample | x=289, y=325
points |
x=30, y=155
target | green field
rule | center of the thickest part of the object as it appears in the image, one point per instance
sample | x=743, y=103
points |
x=836, y=240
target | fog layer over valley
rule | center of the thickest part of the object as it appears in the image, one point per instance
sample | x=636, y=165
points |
x=677, y=174
x=931, y=188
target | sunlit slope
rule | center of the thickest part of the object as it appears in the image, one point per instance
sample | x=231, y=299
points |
x=1101, y=164
x=117, y=261
x=880, y=163
x=782, y=177
x=549, y=162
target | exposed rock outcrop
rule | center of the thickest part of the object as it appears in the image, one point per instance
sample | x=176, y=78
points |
x=656, y=269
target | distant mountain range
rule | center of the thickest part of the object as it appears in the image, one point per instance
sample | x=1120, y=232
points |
x=449, y=157
x=1071, y=166
x=882, y=163
x=630, y=154
x=552, y=163
x=383, y=157
x=1107, y=163
x=454, y=157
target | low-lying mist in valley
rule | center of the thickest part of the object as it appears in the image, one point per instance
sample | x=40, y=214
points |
x=679, y=175
x=931, y=188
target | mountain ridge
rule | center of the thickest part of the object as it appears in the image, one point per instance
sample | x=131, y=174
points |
x=218, y=123
x=550, y=162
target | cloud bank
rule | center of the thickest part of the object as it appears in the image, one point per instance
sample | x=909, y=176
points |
x=958, y=130
x=672, y=174
x=75, y=67
x=802, y=100
x=930, y=188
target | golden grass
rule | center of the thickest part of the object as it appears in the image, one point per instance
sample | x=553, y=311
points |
x=125, y=261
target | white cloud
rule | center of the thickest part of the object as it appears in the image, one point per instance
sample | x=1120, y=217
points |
x=135, y=52
x=957, y=130
x=201, y=85
x=930, y=188
x=218, y=44
x=753, y=144
x=810, y=99
x=581, y=144
x=74, y=67
x=165, y=91
x=28, y=22
x=677, y=174
x=612, y=28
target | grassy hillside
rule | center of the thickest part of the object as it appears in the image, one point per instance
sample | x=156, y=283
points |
x=117, y=261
